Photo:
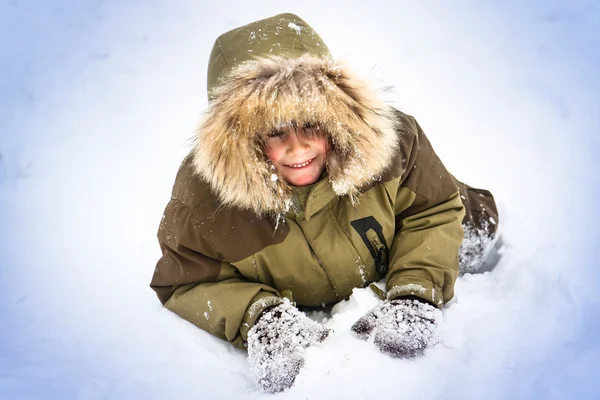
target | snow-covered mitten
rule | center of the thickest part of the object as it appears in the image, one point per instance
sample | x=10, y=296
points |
x=276, y=344
x=401, y=328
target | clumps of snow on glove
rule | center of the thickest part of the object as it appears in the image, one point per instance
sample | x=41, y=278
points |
x=276, y=346
x=401, y=328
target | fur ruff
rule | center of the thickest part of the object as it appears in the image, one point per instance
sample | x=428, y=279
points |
x=268, y=93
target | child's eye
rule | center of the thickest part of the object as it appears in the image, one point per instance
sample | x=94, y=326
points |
x=309, y=126
x=275, y=134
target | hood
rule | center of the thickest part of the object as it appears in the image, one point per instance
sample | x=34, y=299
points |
x=277, y=72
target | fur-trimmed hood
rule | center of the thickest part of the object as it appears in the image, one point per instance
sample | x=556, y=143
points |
x=261, y=79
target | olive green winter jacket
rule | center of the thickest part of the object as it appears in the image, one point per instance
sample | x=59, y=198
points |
x=235, y=237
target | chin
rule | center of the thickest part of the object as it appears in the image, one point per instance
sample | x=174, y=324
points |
x=303, y=178
x=303, y=181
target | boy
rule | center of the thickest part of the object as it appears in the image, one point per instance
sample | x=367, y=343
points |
x=303, y=183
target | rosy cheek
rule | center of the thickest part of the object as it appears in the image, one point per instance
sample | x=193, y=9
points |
x=271, y=153
x=325, y=148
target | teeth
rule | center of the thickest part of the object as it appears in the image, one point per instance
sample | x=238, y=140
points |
x=304, y=164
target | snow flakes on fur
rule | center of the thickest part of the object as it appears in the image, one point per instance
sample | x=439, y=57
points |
x=262, y=95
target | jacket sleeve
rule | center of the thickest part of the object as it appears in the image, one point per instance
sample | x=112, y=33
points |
x=424, y=253
x=191, y=281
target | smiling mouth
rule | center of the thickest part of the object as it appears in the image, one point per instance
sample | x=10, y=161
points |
x=302, y=165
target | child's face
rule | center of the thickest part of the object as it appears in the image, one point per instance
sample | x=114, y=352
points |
x=298, y=154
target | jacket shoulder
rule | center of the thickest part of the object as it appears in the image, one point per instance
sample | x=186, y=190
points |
x=189, y=187
x=408, y=145
x=223, y=224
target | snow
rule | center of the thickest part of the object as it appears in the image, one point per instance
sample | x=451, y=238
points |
x=411, y=287
x=98, y=102
x=295, y=27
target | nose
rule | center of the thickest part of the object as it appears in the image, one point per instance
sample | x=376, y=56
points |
x=296, y=145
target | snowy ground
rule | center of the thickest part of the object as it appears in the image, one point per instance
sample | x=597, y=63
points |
x=98, y=100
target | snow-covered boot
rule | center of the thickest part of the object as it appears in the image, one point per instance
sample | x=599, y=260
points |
x=481, y=248
x=479, y=251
